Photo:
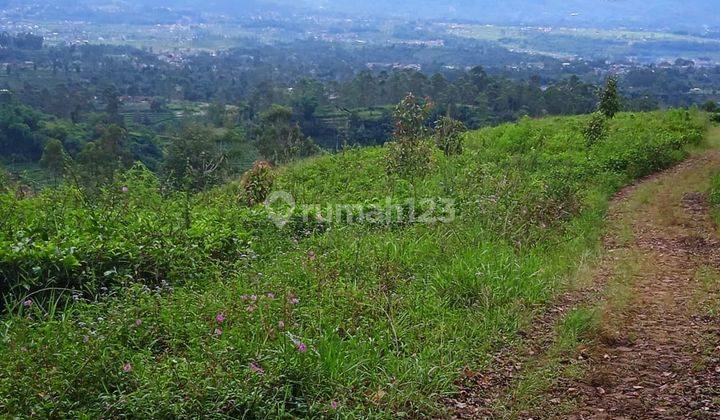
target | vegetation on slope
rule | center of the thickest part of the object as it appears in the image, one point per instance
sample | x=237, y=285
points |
x=149, y=303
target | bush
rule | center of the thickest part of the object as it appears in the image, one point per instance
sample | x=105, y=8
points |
x=596, y=128
x=411, y=153
x=258, y=182
x=448, y=136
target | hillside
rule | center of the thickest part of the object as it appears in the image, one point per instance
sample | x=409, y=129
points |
x=151, y=303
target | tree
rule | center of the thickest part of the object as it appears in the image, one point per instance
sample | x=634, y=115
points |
x=54, y=157
x=112, y=105
x=194, y=160
x=410, y=153
x=710, y=106
x=279, y=139
x=448, y=135
x=100, y=159
x=596, y=128
x=609, y=98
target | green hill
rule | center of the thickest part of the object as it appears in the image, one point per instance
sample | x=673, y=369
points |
x=154, y=304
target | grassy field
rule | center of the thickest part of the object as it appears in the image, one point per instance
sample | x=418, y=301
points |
x=146, y=304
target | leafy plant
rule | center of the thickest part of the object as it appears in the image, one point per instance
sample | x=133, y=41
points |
x=596, y=128
x=410, y=153
x=448, y=136
x=258, y=182
x=609, y=98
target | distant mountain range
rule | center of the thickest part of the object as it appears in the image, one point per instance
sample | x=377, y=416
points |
x=688, y=15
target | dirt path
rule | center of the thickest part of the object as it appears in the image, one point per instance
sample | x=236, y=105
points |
x=655, y=352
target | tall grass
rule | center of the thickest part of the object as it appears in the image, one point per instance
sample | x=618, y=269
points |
x=189, y=306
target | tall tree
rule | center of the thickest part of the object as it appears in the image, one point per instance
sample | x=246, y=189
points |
x=54, y=157
x=609, y=98
x=194, y=160
x=279, y=139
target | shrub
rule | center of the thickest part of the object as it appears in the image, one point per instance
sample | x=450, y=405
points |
x=410, y=153
x=609, y=98
x=257, y=182
x=596, y=128
x=448, y=136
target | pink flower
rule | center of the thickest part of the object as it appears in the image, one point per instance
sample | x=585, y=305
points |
x=334, y=405
x=312, y=256
x=138, y=322
x=86, y=338
x=250, y=308
x=218, y=331
x=294, y=300
x=281, y=324
x=271, y=295
x=256, y=368
x=302, y=348
x=127, y=367
x=28, y=303
x=220, y=318
x=125, y=189
x=253, y=298
x=244, y=297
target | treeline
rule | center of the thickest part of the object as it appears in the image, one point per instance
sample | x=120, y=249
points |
x=26, y=41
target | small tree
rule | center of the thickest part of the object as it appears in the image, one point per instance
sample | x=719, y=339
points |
x=596, y=128
x=448, y=135
x=193, y=160
x=100, y=159
x=710, y=106
x=279, y=139
x=257, y=182
x=609, y=98
x=410, y=153
x=54, y=157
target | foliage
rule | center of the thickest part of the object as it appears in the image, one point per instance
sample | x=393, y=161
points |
x=710, y=106
x=448, y=136
x=235, y=317
x=610, y=98
x=54, y=158
x=194, y=160
x=410, y=153
x=101, y=159
x=258, y=182
x=279, y=139
x=596, y=128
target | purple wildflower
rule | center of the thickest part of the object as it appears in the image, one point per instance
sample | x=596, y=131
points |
x=271, y=295
x=86, y=338
x=125, y=189
x=334, y=405
x=218, y=331
x=294, y=300
x=281, y=324
x=312, y=256
x=250, y=308
x=253, y=298
x=138, y=322
x=302, y=347
x=28, y=303
x=220, y=318
x=127, y=367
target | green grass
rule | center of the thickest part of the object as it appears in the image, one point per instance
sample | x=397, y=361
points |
x=374, y=320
